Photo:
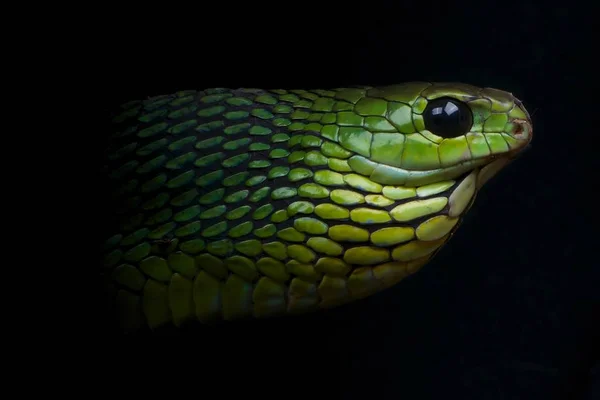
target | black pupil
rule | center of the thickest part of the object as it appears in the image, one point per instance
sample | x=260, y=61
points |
x=447, y=117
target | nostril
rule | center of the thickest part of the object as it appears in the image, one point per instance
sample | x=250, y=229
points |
x=518, y=129
x=522, y=129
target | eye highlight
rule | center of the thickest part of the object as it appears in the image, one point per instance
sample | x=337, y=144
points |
x=447, y=117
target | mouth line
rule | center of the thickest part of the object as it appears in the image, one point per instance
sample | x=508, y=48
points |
x=390, y=175
x=509, y=155
x=493, y=165
x=482, y=161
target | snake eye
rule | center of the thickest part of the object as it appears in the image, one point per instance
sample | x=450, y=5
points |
x=447, y=117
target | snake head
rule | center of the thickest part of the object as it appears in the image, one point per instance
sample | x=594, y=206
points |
x=439, y=131
x=251, y=202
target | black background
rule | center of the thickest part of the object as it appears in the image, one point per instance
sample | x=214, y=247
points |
x=508, y=310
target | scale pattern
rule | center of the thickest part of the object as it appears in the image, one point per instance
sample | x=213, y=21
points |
x=254, y=203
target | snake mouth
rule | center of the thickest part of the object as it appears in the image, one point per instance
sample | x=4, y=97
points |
x=520, y=131
x=388, y=175
x=485, y=167
x=499, y=148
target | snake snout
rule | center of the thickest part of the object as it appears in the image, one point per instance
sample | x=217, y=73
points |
x=522, y=124
x=519, y=127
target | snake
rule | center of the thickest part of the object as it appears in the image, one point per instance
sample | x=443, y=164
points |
x=244, y=204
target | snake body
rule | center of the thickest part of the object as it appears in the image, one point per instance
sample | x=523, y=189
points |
x=251, y=203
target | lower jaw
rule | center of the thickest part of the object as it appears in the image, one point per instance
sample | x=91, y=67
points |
x=490, y=170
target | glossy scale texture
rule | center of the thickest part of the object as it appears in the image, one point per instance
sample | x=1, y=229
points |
x=250, y=203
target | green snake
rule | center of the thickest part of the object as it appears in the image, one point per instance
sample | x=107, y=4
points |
x=250, y=203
